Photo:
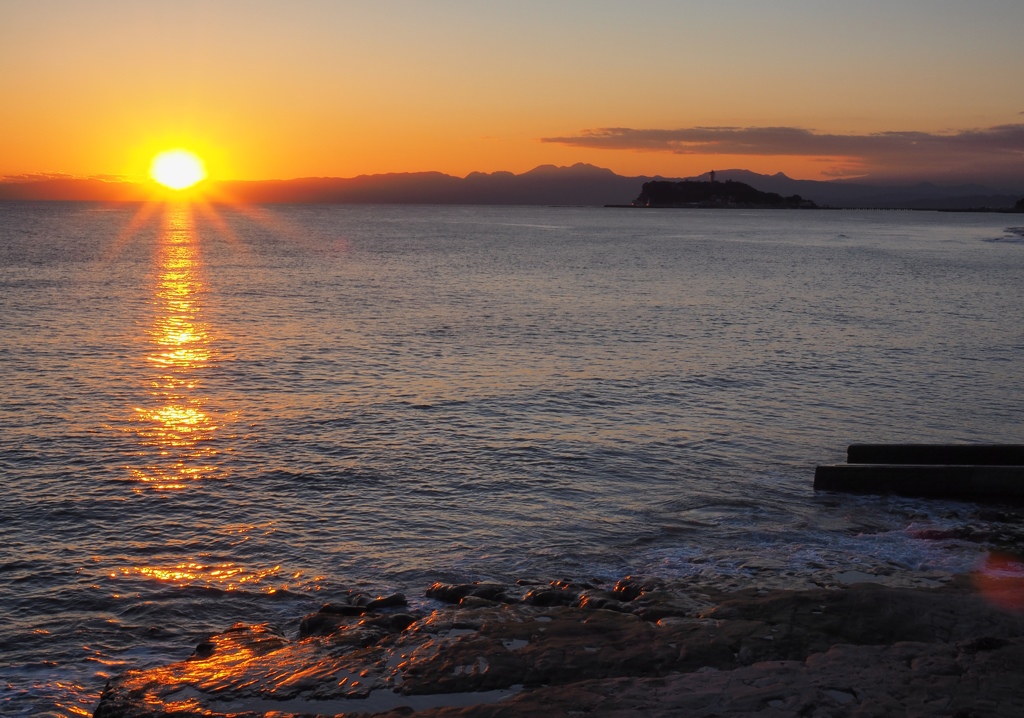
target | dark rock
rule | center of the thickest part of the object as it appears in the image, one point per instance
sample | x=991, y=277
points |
x=865, y=650
x=392, y=601
x=342, y=609
x=204, y=650
x=595, y=599
x=965, y=533
x=453, y=593
x=333, y=617
x=549, y=597
x=844, y=681
x=631, y=587
x=490, y=591
x=321, y=624
x=982, y=643
x=361, y=635
x=476, y=602
x=448, y=593
x=391, y=622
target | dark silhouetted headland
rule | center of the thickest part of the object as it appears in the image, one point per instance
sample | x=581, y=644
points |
x=715, y=194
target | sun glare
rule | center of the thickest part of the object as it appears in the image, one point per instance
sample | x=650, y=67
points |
x=177, y=169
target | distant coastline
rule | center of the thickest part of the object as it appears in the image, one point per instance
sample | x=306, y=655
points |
x=579, y=185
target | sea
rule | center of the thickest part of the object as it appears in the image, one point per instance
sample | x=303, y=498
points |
x=215, y=414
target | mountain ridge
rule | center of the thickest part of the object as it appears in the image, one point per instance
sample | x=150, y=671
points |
x=578, y=184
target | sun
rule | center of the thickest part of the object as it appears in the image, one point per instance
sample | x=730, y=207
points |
x=177, y=169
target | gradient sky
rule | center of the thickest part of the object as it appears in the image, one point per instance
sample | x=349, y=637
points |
x=816, y=88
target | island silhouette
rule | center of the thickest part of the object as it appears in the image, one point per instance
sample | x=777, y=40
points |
x=728, y=194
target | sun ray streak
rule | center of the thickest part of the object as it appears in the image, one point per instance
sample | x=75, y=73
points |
x=142, y=216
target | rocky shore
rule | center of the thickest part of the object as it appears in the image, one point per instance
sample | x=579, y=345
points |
x=640, y=647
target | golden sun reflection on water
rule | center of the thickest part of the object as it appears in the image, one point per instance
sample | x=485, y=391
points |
x=226, y=576
x=176, y=430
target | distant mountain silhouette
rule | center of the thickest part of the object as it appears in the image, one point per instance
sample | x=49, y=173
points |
x=73, y=190
x=842, y=193
x=580, y=184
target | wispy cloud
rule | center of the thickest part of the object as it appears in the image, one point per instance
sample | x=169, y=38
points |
x=35, y=177
x=46, y=176
x=1000, y=148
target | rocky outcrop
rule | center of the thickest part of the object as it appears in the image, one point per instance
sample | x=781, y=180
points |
x=918, y=679
x=640, y=647
x=688, y=193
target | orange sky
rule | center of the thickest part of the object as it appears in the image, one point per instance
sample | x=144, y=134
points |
x=279, y=90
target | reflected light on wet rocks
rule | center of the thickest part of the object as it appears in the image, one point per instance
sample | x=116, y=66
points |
x=1000, y=580
x=176, y=431
x=245, y=661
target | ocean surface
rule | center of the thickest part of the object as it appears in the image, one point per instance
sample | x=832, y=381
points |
x=222, y=414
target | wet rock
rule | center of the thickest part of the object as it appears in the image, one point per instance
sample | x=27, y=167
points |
x=390, y=622
x=963, y=533
x=491, y=592
x=203, y=650
x=549, y=597
x=453, y=593
x=393, y=601
x=561, y=593
x=359, y=598
x=846, y=681
x=632, y=587
x=982, y=643
x=872, y=614
x=359, y=636
x=322, y=624
x=593, y=599
x=476, y=602
x=573, y=586
x=342, y=609
x=863, y=650
x=333, y=617
x=449, y=593
x=657, y=603
x=525, y=645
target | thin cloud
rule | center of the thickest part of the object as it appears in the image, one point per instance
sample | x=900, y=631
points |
x=1000, y=148
x=35, y=177
x=794, y=141
x=48, y=176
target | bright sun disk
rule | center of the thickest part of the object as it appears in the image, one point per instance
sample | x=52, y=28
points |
x=177, y=169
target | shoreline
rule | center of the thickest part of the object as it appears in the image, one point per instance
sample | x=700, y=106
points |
x=643, y=646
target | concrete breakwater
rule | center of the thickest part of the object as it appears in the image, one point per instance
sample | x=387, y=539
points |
x=640, y=647
x=963, y=471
